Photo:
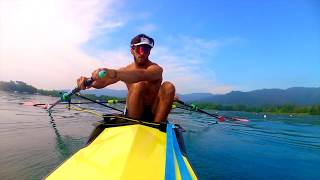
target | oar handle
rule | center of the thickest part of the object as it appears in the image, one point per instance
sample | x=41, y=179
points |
x=67, y=95
x=87, y=83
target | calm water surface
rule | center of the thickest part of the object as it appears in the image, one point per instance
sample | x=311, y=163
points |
x=32, y=143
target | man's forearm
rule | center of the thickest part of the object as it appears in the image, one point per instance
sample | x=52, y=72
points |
x=111, y=78
x=131, y=76
x=135, y=75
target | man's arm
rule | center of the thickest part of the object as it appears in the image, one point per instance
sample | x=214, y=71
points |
x=110, y=78
x=98, y=84
x=152, y=73
x=127, y=75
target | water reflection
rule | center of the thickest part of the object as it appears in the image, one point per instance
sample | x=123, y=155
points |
x=277, y=144
x=61, y=146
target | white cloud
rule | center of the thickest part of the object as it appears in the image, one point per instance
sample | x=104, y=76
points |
x=194, y=47
x=184, y=75
x=41, y=39
x=111, y=24
x=147, y=28
x=186, y=65
x=116, y=58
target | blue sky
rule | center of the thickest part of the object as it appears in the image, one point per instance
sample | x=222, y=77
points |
x=274, y=44
x=204, y=46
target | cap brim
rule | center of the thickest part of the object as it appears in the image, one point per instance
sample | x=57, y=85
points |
x=140, y=43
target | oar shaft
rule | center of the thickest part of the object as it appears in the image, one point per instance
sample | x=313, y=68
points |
x=112, y=101
x=88, y=82
x=213, y=115
x=221, y=118
x=99, y=103
x=200, y=110
x=54, y=104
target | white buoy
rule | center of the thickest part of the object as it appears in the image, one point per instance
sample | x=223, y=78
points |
x=265, y=116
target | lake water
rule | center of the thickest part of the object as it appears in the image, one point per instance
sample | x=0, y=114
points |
x=32, y=143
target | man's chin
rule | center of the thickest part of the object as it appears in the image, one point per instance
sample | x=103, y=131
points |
x=140, y=62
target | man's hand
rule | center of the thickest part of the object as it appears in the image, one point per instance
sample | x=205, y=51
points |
x=95, y=74
x=110, y=78
x=110, y=74
x=98, y=82
x=81, y=81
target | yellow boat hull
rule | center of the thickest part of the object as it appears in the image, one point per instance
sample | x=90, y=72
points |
x=123, y=152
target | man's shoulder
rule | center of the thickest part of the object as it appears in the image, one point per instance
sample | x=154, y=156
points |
x=153, y=64
x=155, y=67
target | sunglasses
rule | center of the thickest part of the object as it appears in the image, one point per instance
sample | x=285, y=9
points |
x=140, y=49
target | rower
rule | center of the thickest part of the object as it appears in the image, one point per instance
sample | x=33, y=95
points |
x=149, y=98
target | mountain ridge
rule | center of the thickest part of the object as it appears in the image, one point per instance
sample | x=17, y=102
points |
x=265, y=96
x=301, y=96
x=294, y=95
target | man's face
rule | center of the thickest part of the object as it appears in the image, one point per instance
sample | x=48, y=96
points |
x=141, y=53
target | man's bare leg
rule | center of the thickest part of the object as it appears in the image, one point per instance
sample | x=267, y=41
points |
x=164, y=103
x=135, y=100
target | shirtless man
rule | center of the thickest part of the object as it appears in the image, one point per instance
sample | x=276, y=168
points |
x=148, y=98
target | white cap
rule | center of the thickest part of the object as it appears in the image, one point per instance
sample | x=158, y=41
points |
x=144, y=40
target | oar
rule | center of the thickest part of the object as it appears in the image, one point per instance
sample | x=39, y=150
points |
x=109, y=101
x=221, y=118
x=67, y=95
x=97, y=102
x=29, y=103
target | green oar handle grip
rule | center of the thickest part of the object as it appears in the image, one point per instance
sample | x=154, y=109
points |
x=88, y=82
x=194, y=107
x=101, y=74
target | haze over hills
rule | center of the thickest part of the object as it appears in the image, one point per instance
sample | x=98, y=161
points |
x=195, y=96
x=295, y=95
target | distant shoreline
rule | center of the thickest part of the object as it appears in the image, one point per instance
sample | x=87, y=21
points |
x=23, y=88
x=274, y=109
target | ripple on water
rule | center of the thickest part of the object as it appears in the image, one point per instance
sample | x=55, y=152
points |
x=278, y=147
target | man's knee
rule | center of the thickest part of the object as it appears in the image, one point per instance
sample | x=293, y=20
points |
x=168, y=89
x=139, y=87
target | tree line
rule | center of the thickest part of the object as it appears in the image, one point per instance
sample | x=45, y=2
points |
x=286, y=108
x=22, y=87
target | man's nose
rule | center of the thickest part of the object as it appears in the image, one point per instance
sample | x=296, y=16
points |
x=142, y=52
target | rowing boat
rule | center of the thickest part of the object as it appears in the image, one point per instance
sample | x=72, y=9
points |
x=124, y=148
